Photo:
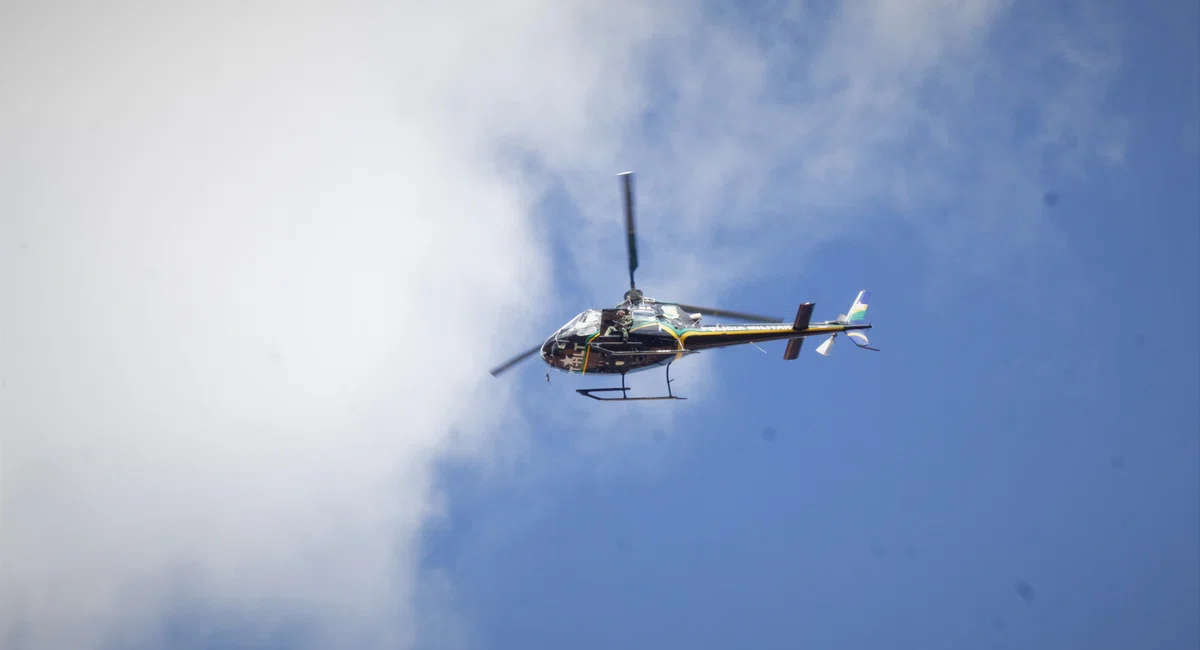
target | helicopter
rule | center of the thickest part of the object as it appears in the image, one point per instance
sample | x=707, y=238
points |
x=642, y=333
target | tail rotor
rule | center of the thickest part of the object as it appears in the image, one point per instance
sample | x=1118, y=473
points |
x=855, y=323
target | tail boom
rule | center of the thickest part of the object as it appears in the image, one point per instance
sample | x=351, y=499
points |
x=853, y=325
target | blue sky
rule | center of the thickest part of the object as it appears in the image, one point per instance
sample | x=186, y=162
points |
x=227, y=419
x=1039, y=428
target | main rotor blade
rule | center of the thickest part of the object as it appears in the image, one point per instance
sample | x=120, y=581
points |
x=515, y=360
x=730, y=314
x=630, y=231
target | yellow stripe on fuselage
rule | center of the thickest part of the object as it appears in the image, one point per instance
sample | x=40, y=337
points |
x=717, y=331
x=587, y=352
x=740, y=330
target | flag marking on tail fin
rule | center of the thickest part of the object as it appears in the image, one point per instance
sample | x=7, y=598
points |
x=858, y=311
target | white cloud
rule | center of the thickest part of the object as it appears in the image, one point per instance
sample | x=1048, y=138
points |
x=256, y=261
x=247, y=289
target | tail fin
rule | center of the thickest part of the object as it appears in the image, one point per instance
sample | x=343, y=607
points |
x=858, y=310
x=858, y=314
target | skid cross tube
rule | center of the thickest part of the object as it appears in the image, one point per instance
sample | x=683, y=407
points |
x=588, y=392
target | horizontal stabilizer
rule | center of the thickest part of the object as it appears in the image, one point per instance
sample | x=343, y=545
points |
x=803, y=318
x=793, y=349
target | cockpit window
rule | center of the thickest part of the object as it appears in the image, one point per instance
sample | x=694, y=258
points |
x=585, y=324
x=570, y=324
x=676, y=317
x=588, y=322
x=644, y=315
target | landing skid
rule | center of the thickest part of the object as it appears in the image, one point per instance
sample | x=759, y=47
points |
x=588, y=392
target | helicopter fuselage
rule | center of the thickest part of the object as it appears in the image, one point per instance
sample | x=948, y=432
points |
x=595, y=342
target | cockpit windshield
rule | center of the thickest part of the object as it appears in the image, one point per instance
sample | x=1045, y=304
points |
x=585, y=324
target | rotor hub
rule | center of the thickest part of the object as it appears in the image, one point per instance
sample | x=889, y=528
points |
x=633, y=297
